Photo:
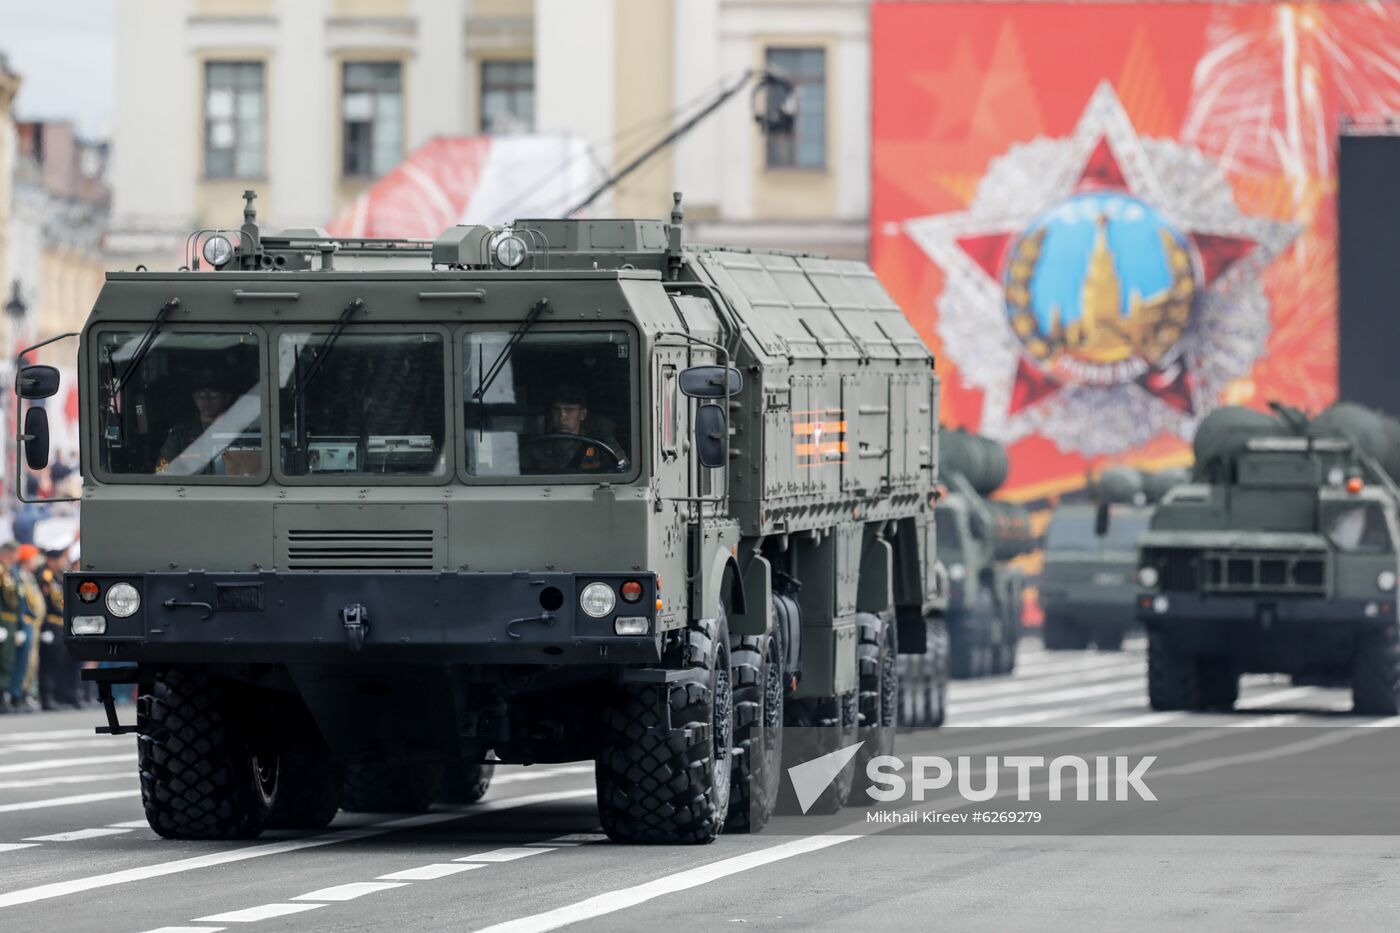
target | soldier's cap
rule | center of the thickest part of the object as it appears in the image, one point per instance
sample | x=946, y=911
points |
x=209, y=379
x=10, y=545
x=569, y=393
x=28, y=552
x=53, y=553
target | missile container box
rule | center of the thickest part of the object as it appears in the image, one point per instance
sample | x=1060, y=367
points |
x=362, y=518
x=1279, y=557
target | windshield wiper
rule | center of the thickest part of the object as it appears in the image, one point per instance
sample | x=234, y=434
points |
x=143, y=347
x=503, y=357
x=325, y=349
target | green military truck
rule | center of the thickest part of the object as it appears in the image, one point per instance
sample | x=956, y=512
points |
x=1279, y=557
x=1088, y=586
x=978, y=537
x=368, y=516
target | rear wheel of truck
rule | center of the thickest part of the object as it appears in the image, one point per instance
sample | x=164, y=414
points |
x=757, y=663
x=1375, y=673
x=390, y=787
x=663, y=768
x=200, y=777
x=308, y=791
x=466, y=782
x=967, y=651
x=1109, y=638
x=1218, y=685
x=1171, y=677
x=1062, y=634
x=877, y=687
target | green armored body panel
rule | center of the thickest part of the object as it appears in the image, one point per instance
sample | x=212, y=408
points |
x=978, y=536
x=385, y=511
x=1279, y=556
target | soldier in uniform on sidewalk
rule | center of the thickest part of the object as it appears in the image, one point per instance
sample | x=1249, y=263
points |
x=21, y=685
x=59, y=675
x=9, y=620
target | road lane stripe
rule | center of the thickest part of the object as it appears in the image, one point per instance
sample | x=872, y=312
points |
x=504, y=855
x=61, y=746
x=348, y=892
x=962, y=690
x=254, y=914
x=50, y=763
x=1121, y=685
x=188, y=930
x=1045, y=715
x=54, y=734
x=78, y=834
x=11, y=846
x=143, y=873
x=67, y=801
x=71, y=779
x=623, y=898
x=427, y=872
x=131, y=824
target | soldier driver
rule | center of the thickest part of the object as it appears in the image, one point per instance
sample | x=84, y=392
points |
x=183, y=445
x=568, y=414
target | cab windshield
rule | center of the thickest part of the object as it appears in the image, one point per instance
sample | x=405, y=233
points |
x=559, y=404
x=1356, y=526
x=191, y=407
x=368, y=403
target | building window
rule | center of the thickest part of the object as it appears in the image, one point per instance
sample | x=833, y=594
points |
x=233, y=119
x=507, y=96
x=803, y=145
x=371, y=106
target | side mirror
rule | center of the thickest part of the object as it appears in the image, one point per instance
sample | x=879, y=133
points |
x=36, y=438
x=1101, y=519
x=36, y=382
x=711, y=435
x=710, y=381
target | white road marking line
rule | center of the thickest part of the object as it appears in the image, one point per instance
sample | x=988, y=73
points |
x=131, y=824
x=623, y=898
x=254, y=914
x=71, y=779
x=1123, y=685
x=61, y=746
x=1045, y=715
x=539, y=774
x=188, y=930
x=67, y=801
x=427, y=872
x=576, y=838
x=143, y=873
x=78, y=834
x=545, y=845
x=49, y=763
x=960, y=690
x=53, y=734
x=504, y=855
x=1276, y=697
x=348, y=892
x=11, y=846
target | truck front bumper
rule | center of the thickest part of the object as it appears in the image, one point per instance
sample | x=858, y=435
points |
x=410, y=616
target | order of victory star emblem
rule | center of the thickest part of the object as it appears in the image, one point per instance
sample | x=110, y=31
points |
x=1102, y=288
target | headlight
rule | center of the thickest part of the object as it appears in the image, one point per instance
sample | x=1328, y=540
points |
x=597, y=600
x=956, y=571
x=1385, y=581
x=123, y=600
x=1160, y=605
x=1148, y=576
x=510, y=251
x=218, y=251
x=631, y=625
x=89, y=625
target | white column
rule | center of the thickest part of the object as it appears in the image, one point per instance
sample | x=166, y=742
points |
x=852, y=90
x=303, y=117
x=697, y=73
x=734, y=153
x=575, y=87
x=437, y=79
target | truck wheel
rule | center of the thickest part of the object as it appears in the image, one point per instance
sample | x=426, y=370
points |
x=1061, y=634
x=1109, y=638
x=199, y=778
x=466, y=782
x=877, y=686
x=965, y=656
x=1219, y=685
x=666, y=778
x=937, y=695
x=1375, y=674
x=308, y=791
x=1171, y=677
x=757, y=662
x=385, y=787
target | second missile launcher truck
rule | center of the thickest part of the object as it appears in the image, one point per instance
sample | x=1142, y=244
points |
x=365, y=515
x=1278, y=557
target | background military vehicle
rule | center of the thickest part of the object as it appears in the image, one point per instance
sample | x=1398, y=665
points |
x=1088, y=588
x=978, y=536
x=366, y=515
x=1279, y=556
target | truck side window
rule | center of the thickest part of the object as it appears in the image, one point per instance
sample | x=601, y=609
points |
x=192, y=407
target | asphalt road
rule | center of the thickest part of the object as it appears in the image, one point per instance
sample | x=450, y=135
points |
x=75, y=853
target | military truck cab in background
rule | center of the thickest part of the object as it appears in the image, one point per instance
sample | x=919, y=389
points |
x=1279, y=557
x=1088, y=586
x=365, y=516
x=978, y=536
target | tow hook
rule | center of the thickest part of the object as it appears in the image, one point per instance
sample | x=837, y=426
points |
x=356, y=620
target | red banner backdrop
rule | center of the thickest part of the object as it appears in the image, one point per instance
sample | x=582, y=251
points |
x=1109, y=219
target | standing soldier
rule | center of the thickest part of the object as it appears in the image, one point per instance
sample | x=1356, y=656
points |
x=22, y=679
x=58, y=675
x=9, y=620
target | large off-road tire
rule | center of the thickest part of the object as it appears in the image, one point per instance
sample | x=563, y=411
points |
x=1109, y=638
x=466, y=782
x=827, y=724
x=1375, y=673
x=965, y=652
x=1171, y=677
x=757, y=663
x=390, y=787
x=1062, y=634
x=308, y=794
x=1219, y=684
x=663, y=769
x=200, y=778
x=923, y=679
x=877, y=687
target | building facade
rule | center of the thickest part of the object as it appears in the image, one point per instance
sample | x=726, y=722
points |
x=308, y=101
x=9, y=87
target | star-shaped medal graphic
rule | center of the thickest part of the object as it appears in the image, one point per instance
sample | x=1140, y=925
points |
x=1102, y=288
